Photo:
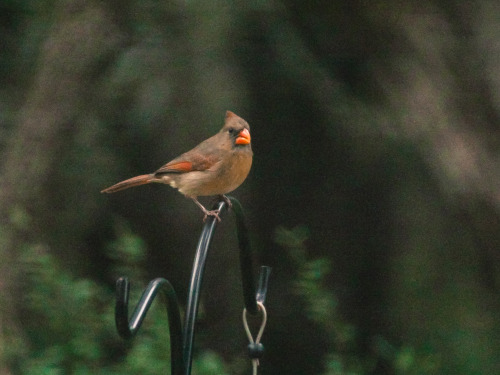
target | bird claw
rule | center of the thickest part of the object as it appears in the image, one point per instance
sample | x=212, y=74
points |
x=227, y=200
x=214, y=213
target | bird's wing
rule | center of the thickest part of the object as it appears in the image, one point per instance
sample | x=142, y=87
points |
x=187, y=163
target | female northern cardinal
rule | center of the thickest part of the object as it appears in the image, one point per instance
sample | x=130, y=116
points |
x=216, y=166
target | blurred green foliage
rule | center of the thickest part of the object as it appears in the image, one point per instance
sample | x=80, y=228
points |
x=73, y=331
x=321, y=306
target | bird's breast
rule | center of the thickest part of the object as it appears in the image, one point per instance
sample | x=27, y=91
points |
x=223, y=177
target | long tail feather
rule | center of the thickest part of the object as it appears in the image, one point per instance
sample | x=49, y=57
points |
x=131, y=182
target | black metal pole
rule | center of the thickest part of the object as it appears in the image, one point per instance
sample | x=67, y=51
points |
x=246, y=266
x=195, y=287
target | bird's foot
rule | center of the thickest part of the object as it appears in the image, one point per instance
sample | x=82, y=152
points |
x=214, y=213
x=227, y=200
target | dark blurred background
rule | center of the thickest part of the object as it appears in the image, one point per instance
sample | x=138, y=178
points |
x=374, y=193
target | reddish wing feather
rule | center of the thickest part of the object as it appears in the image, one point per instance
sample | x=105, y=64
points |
x=177, y=167
x=196, y=163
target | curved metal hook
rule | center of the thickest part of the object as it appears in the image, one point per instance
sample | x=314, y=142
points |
x=128, y=328
x=246, y=266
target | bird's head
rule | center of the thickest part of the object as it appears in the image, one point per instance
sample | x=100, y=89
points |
x=237, y=129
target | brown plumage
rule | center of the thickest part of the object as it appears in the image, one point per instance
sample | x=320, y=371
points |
x=216, y=166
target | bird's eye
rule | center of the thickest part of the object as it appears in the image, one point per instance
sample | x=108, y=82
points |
x=232, y=131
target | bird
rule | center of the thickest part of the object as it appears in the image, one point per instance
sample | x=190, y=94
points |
x=215, y=167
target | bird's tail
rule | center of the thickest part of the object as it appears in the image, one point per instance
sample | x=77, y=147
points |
x=131, y=182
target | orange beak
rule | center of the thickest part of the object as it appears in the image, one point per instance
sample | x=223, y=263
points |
x=243, y=138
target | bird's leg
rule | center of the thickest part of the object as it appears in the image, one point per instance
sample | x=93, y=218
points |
x=214, y=213
x=227, y=200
